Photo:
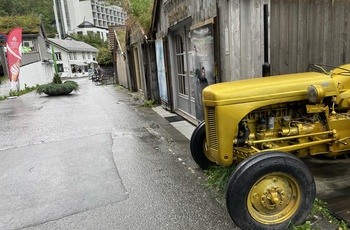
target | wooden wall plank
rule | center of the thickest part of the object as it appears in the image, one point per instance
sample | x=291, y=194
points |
x=302, y=36
x=293, y=36
x=309, y=31
x=327, y=25
x=235, y=37
x=274, y=35
x=284, y=36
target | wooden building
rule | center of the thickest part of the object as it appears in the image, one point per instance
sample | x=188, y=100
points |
x=203, y=42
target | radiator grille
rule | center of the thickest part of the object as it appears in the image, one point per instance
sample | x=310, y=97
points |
x=213, y=141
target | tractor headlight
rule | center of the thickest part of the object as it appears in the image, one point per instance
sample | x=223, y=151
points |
x=315, y=93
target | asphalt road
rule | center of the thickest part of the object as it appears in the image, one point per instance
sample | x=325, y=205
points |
x=95, y=159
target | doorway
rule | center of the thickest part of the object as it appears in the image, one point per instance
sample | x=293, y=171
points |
x=184, y=75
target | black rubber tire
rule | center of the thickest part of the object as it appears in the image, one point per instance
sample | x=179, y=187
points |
x=263, y=167
x=197, y=142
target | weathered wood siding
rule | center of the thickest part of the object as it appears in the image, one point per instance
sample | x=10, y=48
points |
x=309, y=31
x=241, y=39
x=120, y=62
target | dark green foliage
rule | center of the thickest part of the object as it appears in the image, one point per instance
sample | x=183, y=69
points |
x=140, y=13
x=218, y=177
x=52, y=89
x=34, y=8
x=71, y=85
x=104, y=56
x=115, y=2
x=28, y=23
x=57, y=79
x=92, y=39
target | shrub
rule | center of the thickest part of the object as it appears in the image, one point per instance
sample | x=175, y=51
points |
x=53, y=89
x=57, y=79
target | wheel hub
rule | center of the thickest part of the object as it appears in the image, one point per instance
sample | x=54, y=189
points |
x=271, y=195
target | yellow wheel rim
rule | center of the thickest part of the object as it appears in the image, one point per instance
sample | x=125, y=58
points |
x=274, y=198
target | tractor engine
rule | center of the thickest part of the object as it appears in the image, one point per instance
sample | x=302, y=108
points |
x=284, y=127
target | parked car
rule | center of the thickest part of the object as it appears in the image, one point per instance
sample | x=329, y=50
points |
x=264, y=126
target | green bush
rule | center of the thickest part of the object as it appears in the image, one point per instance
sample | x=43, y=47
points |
x=53, y=89
x=57, y=79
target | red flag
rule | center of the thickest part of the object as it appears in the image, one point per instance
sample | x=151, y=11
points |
x=14, y=54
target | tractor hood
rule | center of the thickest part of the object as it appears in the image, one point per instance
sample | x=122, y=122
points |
x=287, y=87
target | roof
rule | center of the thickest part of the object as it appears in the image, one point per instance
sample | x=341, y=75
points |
x=30, y=24
x=72, y=45
x=154, y=14
x=86, y=24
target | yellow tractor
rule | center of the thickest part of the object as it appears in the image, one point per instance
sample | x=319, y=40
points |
x=264, y=126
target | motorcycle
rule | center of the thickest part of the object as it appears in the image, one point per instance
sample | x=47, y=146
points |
x=98, y=79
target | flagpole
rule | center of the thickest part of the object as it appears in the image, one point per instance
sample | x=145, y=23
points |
x=54, y=58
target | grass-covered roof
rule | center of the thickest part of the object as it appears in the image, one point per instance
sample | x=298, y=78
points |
x=30, y=24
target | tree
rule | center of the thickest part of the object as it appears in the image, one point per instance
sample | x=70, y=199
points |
x=104, y=56
x=92, y=39
x=139, y=13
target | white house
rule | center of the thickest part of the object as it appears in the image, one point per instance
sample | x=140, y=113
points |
x=36, y=67
x=86, y=28
x=73, y=58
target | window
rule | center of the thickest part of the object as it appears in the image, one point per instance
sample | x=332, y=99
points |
x=58, y=56
x=28, y=44
x=75, y=55
x=181, y=65
x=88, y=55
x=60, y=68
x=83, y=53
x=70, y=56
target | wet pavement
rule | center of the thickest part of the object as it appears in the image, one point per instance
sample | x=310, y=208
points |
x=97, y=159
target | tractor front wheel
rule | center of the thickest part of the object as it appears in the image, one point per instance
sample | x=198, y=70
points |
x=272, y=190
x=198, y=148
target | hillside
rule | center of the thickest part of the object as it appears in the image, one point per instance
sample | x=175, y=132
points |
x=30, y=8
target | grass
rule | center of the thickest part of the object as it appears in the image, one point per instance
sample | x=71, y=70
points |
x=148, y=103
x=3, y=78
x=119, y=87
x=14, y=93
x=217, y=179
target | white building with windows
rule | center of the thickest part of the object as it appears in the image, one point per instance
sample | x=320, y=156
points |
x=73, y=58
x=72, y=15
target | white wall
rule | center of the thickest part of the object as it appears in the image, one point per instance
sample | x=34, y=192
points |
x=84, y=11
x=36, y=73
x=84, y=31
